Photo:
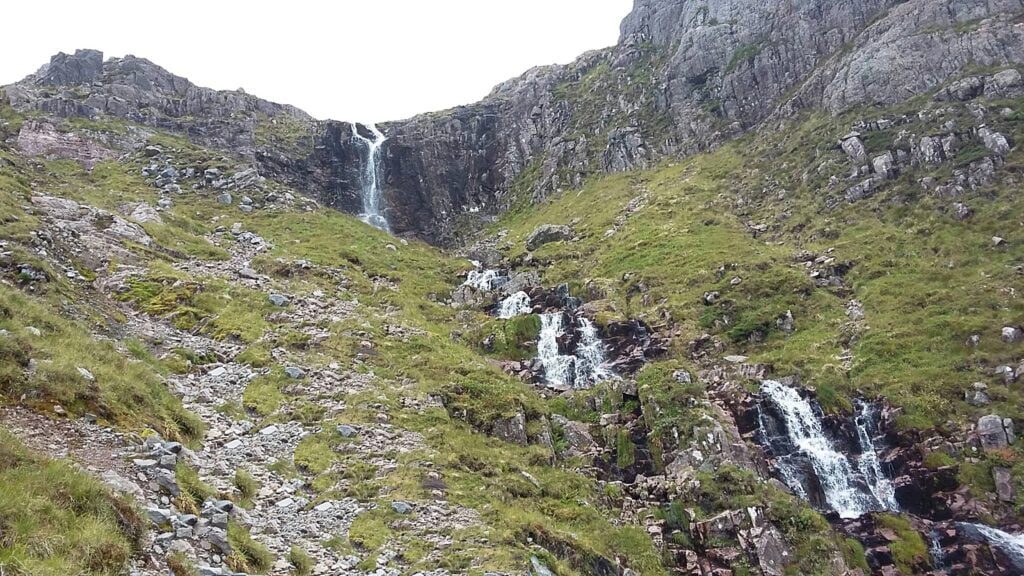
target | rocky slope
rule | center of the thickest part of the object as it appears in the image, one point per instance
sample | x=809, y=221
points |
x=779, y=210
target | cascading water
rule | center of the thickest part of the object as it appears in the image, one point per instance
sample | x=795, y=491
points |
x=938, y=557
x=1012, y=545
x=485, y=280
x=371, y=177
x=582, y=369
x=868, y=464
x=842, y=490
x=558, y=368
x=590, y=357
x=515, y=305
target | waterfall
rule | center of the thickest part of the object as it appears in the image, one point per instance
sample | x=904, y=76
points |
x=784, y=463
x=1012, y=545
x=582, y=369
x=515, y=305
x=842, y=490
x=868, y=464
x=938, y=557
x=484, y=280
x=558, y=368
x=590, y=357
x=371, y=178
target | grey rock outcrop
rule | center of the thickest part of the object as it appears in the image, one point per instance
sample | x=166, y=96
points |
x=995, y=432
x=547, y=233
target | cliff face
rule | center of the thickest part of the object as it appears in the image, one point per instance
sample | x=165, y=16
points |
x=684, y=77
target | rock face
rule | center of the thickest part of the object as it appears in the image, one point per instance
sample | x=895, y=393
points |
x=546, y=234
x=683, y=77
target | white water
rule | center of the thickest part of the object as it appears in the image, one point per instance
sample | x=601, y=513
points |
x=1010, y=544
x=371, y=177
x=938, y=557
x=515, y=305
x=590, y=357
x=880, y=486
x=558, y=368
x=482, y=279
x=789, y=472
x=832, y=468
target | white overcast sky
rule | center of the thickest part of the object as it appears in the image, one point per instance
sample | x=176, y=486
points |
x=372, y=61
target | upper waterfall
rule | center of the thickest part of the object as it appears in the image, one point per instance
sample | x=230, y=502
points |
x=371, y=177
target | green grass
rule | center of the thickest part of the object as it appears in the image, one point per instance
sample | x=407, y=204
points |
x=56, y=520
x=248, y=487
x=910, y=552
x=247, y=554
x=302, y=563
x=208, y=305
x=129, y=393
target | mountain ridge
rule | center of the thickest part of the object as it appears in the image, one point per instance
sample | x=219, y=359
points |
x=696, y=75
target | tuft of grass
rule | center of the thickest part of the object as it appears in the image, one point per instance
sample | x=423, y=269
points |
x=910, y=552
x=302, y=563
x=248, y=555
x=247, y=486
x=193, y=490
x=180, y=565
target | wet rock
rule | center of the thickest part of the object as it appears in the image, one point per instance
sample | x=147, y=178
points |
x=547, y=233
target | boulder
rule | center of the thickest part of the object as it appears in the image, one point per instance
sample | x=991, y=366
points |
x=1003, y=480
x=976, y=395
x=854, y=148
x=511, y=429
x=577, y=436
x=547, y=233
x=1012, y=334
x=995, y=432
